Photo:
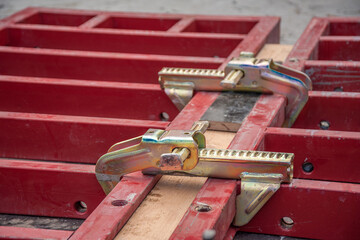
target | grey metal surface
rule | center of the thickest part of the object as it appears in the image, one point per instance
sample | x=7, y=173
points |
x=229, y=110
x=40, y=222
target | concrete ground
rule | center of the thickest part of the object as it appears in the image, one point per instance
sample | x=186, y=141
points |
x=295, y=15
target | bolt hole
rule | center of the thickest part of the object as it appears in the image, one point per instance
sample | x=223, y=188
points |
x=338, y=89
x=324, y=125
x=119, y=203
x=308, y=167
x=151, y=131
x=287, y=222
x=80, y=206
x=164, y=116
x=187, y=133
x=203, y=208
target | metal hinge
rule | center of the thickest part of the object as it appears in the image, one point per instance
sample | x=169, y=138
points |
x=244, y=73
x=179, y=152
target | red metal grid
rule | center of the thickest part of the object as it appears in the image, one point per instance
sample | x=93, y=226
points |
x=74, y=82
x=315, y=206
x=328, y=51
x=324, y=209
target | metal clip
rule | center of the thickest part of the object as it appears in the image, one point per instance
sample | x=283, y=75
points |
x=178, y=152
x=241, y=74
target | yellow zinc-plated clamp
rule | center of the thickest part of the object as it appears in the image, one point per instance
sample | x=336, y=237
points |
x=244, y=73
x=179, y=152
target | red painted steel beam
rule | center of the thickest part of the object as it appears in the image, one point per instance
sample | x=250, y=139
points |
x=306, y=47
x=98, y=66
x=48, y=188
x=88, y=40
x=85, y=98
x=339, y=48
x=339, y=109
x=332, y=153
x=65, y=138
x=334, y=75
x=319, y=209
x=33, y=233
x=113, y=212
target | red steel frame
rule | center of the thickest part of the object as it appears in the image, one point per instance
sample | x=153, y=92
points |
x=74, y=82
x=323, y=203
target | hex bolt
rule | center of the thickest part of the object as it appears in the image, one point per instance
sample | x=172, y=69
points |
x=209, y=234
x=287, y=222
x=324, y=125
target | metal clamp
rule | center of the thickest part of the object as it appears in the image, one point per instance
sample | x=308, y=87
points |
x=178, y=152
x=245, y=73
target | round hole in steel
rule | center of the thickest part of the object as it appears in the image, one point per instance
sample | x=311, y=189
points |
x=164, y=116
x=286, y=222
x=324, y=125
x=338, y=89
x=119, y=203
x=203, y=208
x=80, y=206
x=308, y=167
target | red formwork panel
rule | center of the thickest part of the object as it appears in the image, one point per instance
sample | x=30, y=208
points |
x=74, y=82
x=328, y=51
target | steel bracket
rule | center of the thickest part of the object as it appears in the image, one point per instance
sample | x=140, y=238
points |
x=256, y=190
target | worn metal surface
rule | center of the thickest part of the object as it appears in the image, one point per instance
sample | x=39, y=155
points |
x=70, y=224
x=229, y=110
